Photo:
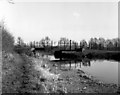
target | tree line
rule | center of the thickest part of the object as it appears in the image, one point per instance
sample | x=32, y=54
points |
x=65, y=43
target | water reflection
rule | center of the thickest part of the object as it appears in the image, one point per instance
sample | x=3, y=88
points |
x=73, y=64
x=104, y=70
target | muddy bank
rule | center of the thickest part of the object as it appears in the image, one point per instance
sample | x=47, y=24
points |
x=72, y=81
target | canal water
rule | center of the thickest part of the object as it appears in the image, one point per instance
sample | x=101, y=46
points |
x=103, y=70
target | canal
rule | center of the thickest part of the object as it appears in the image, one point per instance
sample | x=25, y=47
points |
x=103, y=70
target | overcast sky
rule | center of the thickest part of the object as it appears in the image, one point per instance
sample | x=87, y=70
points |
x=74, y=20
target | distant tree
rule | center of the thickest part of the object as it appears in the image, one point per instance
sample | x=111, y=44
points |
x=83, y=43
x=47, y=41
x=91, y=43
x=64, y=42
x=42, y=42
x=109, y=44
x=37, y=44
x=74, y=44
x=116, y=43
x=101, y=43
x=96, y=41
x=31, y=44
x=63, y=39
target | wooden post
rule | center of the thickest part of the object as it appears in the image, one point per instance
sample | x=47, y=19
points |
x=70, y=44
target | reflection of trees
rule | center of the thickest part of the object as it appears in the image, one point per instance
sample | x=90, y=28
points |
x=77, y=64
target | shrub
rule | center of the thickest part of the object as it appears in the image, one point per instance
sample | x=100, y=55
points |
x=23, y=50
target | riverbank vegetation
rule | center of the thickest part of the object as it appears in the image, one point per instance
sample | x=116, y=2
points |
x=16, y=67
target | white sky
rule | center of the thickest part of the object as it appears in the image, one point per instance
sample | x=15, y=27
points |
x=74, y=20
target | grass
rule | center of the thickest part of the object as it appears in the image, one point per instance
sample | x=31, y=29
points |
x=11, y=73
x=19, y=76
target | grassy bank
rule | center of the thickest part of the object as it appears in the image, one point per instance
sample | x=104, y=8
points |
x=18, y=75
x=11, y=72
x=11, y=63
